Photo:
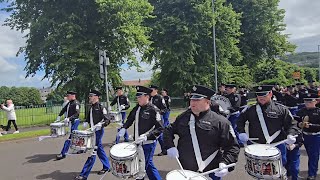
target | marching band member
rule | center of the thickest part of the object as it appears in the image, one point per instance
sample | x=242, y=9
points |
x=269, y=121
x=98, y=118
x=157, y=100
x=309, y=121
x=147, y=128
x=72, y=110
x=206, y=139
x=235, y=100
x=290, y=100
x=243, y=97
x=122, y=104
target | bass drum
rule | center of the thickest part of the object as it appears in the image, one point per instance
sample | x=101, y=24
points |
x=224, y=103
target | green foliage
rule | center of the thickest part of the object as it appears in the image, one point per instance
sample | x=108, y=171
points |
x=262, y=26
x=182, y=45
x=22, y=96
x=63, y=38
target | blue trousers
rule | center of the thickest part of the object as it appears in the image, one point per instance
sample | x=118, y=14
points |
x=300, y=106
x=293, y=163
x=101, y=154
x=151, y=170
x=126, y=136
x=312, y=144
x=166, y=123
x=294, y=110
x=233, y=119
x=213, y=177
x=67, y=143
x=283, y=150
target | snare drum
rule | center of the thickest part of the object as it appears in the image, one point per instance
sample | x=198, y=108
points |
x=116, y=116
x=263, y=161
x=82, y=140
x=58, y=129
x=124, y=160
x=178, y=175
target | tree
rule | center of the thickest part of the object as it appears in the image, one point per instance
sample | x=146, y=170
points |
x=262, y=26
x=63, y=38
x=182, y=45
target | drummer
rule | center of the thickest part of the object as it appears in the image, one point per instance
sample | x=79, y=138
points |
x=122, y=104
x=98, y=119
x=203, y=134
x=148, y=127
x=235, y=100
x=269, y=121
x=72, y=110
x=309, y=121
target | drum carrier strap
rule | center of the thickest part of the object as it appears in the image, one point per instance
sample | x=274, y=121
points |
x=264, y=128
x=201, y=164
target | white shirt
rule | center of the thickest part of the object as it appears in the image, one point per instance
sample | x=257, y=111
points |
x=11, y=114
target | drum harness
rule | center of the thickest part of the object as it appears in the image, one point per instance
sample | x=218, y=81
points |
x=201, y=164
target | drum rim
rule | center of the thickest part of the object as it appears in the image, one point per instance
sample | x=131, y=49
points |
x=176, y=170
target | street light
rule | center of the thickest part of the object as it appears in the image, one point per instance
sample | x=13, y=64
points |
x=215, y=52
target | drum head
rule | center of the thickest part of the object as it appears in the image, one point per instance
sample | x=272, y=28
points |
x=223, y=102
x=82, y=132
x=57, y=124
x=261, y=150
x=178, y=175
x=122, y=150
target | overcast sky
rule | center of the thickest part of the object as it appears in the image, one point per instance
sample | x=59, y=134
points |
x=302, y=19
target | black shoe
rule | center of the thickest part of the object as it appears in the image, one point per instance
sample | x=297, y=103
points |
x=311, y=178
x=80, y=178
x=60, y=156
x=102, y=171
x=162, y=154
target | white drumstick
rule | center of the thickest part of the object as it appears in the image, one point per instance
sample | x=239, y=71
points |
x=214, y=170
x=253, y=139
x=184, y=174
x=280, y=142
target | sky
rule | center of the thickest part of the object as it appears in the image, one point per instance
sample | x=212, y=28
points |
x=302, y=18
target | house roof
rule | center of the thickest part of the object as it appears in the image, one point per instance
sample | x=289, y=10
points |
x=138, y=82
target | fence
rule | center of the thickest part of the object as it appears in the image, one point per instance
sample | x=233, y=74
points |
x=28, y=116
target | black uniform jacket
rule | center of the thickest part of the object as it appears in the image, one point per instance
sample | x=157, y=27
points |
x=149, y=117
x=314, y=119
x=99, y=113
x=235, y=100
x=74, y=110
x=214, y=132
x=276, y=116
x=123, y=100
x=159, y=102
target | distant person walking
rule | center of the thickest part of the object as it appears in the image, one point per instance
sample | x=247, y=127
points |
x=11, y=116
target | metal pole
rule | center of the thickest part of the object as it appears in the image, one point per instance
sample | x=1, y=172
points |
x=215, y=52
x=319, y=61
x=106, y=80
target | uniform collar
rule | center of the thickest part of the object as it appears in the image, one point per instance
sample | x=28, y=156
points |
x=203, y=113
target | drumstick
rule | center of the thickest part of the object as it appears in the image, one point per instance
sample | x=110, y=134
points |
x=184, y=174
x=253, y=139
x=280, y=142
x=213, y=170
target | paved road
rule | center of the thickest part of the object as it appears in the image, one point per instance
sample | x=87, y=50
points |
x=30, y=159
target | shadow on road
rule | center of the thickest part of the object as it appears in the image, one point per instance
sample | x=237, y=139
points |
x=58, y=175
x=163, y=174
x=304, y=174
x=40, y=158
x=108, y=145
x=303, y=152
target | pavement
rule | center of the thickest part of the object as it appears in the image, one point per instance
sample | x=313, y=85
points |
x=30, y=159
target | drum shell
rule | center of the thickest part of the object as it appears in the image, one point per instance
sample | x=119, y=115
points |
x=125, y=167
x=254, y=161
x=116, y=116
x=82, y=140
x=57, y=129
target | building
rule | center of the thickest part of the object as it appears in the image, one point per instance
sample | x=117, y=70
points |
x=44, y=92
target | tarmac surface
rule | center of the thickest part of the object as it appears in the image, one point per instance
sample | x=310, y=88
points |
x=30, y=159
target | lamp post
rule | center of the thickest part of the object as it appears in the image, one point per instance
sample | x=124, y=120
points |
x=215, y=52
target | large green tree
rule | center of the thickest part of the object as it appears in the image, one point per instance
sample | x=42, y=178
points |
x=182, y=45
x=262, y=26
x=63, y=37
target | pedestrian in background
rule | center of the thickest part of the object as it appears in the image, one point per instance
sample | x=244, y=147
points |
x=11, y=116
